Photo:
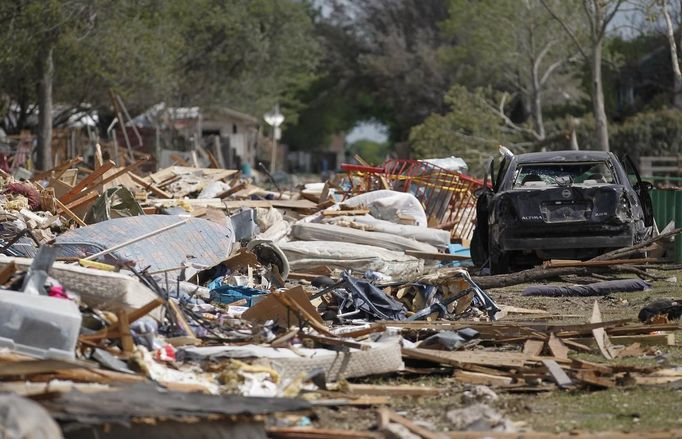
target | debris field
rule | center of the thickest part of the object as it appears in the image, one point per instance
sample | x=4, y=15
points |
x=197, y=302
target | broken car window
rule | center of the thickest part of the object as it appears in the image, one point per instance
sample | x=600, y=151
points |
x=557, y=174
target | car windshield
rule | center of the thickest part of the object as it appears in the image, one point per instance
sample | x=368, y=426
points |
x=563, y=174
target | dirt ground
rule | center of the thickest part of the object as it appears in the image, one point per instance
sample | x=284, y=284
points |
x=634, y=408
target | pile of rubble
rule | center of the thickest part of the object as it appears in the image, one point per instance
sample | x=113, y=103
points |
x=146, y=304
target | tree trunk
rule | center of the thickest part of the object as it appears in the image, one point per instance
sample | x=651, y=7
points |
x=46, y=72
x=536, y=109
x=674, y=60
x=601, y=128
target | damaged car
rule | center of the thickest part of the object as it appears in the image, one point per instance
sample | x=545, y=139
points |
x=559, y=205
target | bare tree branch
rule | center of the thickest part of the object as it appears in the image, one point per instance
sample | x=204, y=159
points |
x=566, y=29
x=607, y=19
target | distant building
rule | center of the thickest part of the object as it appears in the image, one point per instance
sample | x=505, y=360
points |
x=231, y=136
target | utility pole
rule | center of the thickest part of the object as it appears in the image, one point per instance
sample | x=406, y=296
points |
x=274, y=118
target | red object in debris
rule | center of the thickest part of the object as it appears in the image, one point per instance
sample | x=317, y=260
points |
x=57, y=291
x=26, y=190
x=165, y=353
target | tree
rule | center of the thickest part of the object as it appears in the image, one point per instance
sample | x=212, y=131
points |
x=598, y=14
x=521, y=53
x=474, y=127
x=372, y=152
x=249, y=54
x=674, y=57
x=384, y=57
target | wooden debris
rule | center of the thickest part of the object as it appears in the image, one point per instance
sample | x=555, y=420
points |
x=557, y=346
x=459, y=358
x=436, y=256
x=562, y=380
x=385, y=416
x=600, y=334
x=533, y=347
x=386, y=390
x=342, y=212
x=598, y=263
x=481, y=378
x=316, y=433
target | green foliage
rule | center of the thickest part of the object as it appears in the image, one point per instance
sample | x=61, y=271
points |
x=470, y=130
x=374, y=153
x=249, y=54
x=655, y=133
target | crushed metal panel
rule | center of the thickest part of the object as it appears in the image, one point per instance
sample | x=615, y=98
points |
x=199, y=242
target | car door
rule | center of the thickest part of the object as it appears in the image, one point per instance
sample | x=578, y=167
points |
x=479, y=241
x=642, y=189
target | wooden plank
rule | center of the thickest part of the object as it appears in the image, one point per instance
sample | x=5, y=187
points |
x=7, y=272
x=481, y=358
x=149, y=186
x=124, y=329
x=337, y=342
x=557, y=347
x=558, y=374
x=600, y=334
x=317, y=433
x=69, y=213
x=533, y=347
x=385, y=414
x=57, y=169
x=90, y=179
x=435, y=256
x=598, y=263
x=122, y=171
x=282, y=204
x=391, y=390
x=83, y=200
x=667, y=339
x=345, y=212
x=270, y=308
x=587, y=376
x=40, y=366
x=179, y=318
x=234, y=189
x=469, y=377
x=138, y=313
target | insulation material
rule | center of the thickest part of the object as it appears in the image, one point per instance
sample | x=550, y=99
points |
x=382, y=357
x=98, y=289
x=305, y=255
x=276, y=232
x=396, y=207
x=329, y=232
x=436, y=237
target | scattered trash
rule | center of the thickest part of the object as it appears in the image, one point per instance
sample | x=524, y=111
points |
x=479, y=417
x=198, y=283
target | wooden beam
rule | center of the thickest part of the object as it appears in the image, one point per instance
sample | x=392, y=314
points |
x=58, y=169
x=436, y=256
x=124, y=328
x=69, y=213
x=72, y=194
x=600, y=334
x=149, y=186
x=7, y=272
